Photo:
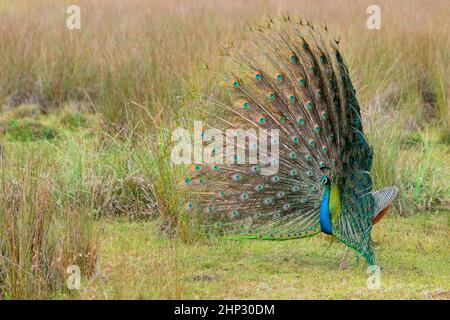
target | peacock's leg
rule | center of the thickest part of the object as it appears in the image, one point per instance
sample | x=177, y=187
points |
x=344, y=264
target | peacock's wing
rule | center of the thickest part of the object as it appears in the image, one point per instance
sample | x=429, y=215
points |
x=383, y=199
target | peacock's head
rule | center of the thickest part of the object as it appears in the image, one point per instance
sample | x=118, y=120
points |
x=324, y=180
x=327, y=177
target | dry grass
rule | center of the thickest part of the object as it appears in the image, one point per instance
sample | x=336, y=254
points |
x=152, y=52
x=41, y=233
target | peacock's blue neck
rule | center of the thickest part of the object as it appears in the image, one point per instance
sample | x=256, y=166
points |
x=325, y=217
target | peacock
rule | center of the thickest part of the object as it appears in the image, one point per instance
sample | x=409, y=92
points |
x=289, y=75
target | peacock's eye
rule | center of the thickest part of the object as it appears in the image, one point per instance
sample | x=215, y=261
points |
x=323, y=180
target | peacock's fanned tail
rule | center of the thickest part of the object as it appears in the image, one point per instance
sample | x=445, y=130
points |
x=286, y=75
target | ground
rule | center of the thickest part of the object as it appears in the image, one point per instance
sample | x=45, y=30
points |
x=137, y=263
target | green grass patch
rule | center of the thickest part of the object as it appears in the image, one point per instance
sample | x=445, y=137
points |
x=28, y=130
x=74, y=120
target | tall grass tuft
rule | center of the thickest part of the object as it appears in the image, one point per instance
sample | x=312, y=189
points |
x=42, y=233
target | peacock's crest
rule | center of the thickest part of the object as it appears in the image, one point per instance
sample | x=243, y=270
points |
x=287, y=77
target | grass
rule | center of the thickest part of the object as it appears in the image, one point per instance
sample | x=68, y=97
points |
x=41, y=232
x=27, y=130
x=412, y=254
x=86, y=122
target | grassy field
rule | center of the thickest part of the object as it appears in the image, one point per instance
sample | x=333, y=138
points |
x=86, y=179
x=137, y=264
